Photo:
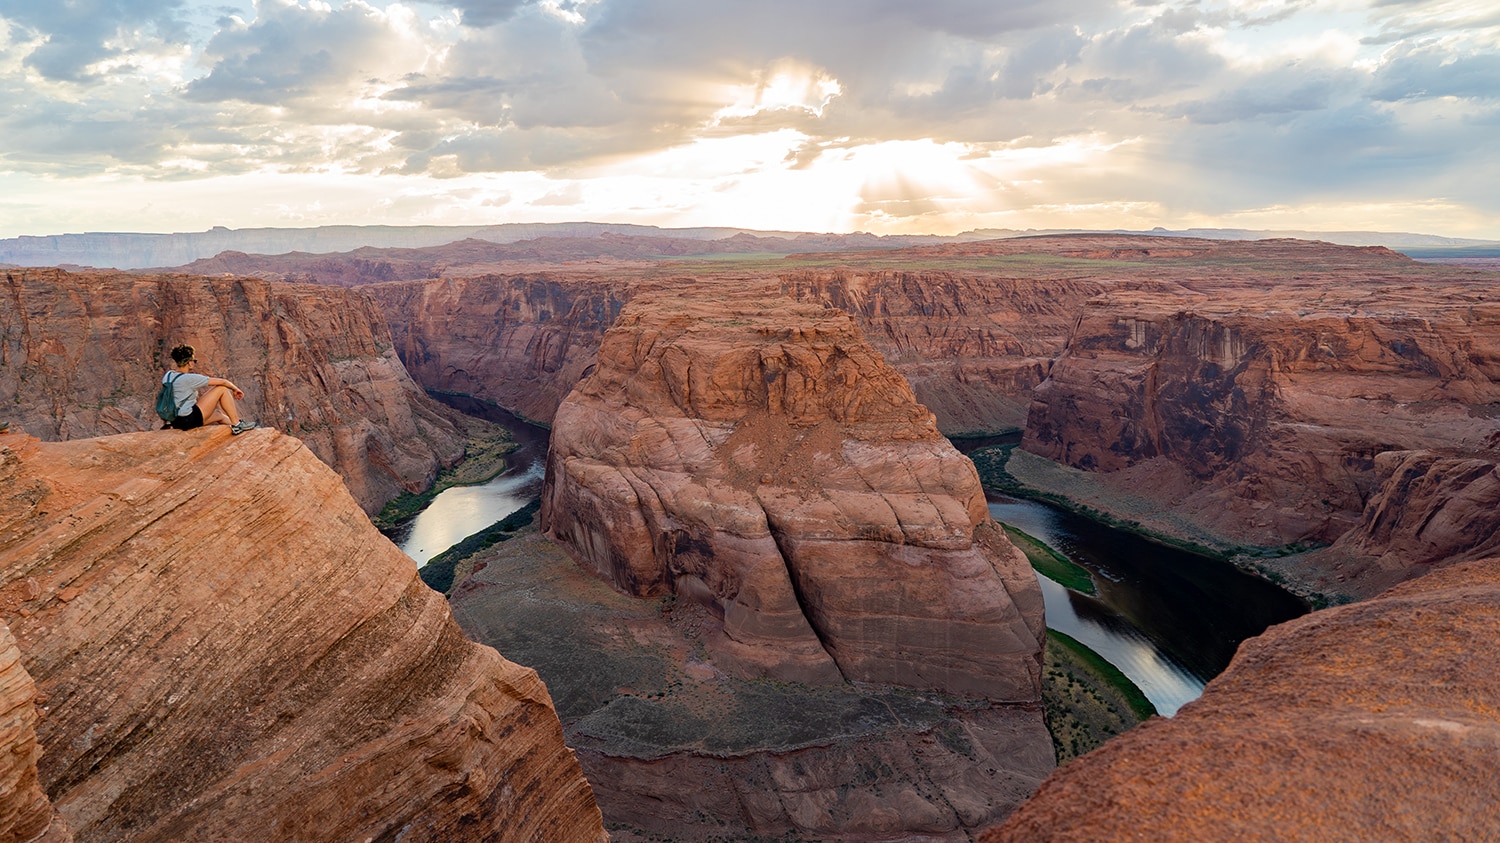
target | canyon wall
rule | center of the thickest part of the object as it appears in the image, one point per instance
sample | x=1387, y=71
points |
x=520, y=341
x=973, y=346
x=1373, y=721
x=224, y=648
x=1275, y=401
x=82, y=355
x=759, y=457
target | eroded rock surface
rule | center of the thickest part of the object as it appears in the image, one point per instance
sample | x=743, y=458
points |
x=519, y=341
x=1429, y=510
x=227, y=649
x=25, y=811
x=1273, y=393
x=759, y=457
x=82, y=355
x=678, y=751
x=973, y=345
x=1373, y=721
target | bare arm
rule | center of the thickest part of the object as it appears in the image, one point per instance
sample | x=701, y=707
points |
x=238, y=393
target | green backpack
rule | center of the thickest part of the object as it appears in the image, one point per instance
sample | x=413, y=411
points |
x=166, y=402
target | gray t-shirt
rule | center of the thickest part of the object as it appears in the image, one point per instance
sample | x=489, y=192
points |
x=185, y=389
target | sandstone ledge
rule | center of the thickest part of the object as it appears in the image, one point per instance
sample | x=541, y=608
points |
x=229, y=650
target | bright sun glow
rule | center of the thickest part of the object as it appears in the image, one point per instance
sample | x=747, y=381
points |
x=785, y=86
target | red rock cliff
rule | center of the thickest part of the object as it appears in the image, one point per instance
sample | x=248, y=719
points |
x=520, y=341
x=758, y=456
x=225, y=648
x=1277, y=400
x=1374, y=721
x=973, y=346
x=82, y=355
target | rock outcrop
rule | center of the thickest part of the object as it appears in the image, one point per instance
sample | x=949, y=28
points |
x=972, y=345
x=82, y=355
x=520, y=341
x=758, y=456
x=678, y=751
x=1430, y=510
x=225, y=648
x=1374, y=721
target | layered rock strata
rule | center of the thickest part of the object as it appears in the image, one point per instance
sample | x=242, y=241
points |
x=225, y=648
x=1430, y=510
x=759, y=457
x=1276, y=402
x=972, y=345
x=82, y=355
x=1374, y=721
x=520, y=341
x=25, y=811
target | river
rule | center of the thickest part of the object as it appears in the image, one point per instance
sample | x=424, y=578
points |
x=1168, y=619
x=461, y=511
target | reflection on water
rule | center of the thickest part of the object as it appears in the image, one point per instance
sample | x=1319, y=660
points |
x=1168, y=619
x=461, y=511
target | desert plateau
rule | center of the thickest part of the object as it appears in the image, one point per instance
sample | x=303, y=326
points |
x=767, y=562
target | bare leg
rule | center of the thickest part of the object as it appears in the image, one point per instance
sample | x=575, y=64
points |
x=217, y=406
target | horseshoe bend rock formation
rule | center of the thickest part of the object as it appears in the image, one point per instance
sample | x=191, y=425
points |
x=1372, y=721
x=82, y=355
x=225, y=648
x=756, y=455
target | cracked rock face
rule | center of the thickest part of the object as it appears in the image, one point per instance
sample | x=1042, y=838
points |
x=759, y=457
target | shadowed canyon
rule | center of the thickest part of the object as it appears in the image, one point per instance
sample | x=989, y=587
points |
x=763, y=588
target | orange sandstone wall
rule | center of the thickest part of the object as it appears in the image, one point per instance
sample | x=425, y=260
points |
x=227, y=649
x=82, y=355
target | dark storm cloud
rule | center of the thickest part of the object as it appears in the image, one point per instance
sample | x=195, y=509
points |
x=74, y=33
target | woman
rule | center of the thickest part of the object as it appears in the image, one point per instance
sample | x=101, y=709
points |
x=201, y=399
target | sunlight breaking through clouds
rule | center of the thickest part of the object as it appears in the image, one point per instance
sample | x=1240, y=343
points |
x=841, y=115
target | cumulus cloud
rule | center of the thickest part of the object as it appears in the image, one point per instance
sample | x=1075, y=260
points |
x=75, y=36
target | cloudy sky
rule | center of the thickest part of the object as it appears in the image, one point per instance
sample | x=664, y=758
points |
x=829, y=115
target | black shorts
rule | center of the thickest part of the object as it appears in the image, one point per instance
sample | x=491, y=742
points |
x=189, y=421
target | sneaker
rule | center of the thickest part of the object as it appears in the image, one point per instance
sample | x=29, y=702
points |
x=241, y=426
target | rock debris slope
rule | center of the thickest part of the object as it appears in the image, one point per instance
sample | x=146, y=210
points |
x=82, y=354
x=759, y=457
x=1372, y=721
x=225, y=648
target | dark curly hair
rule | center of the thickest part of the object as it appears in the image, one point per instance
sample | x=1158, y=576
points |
x=181, y=354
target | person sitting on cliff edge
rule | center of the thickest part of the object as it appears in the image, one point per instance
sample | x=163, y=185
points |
x=201, y=399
